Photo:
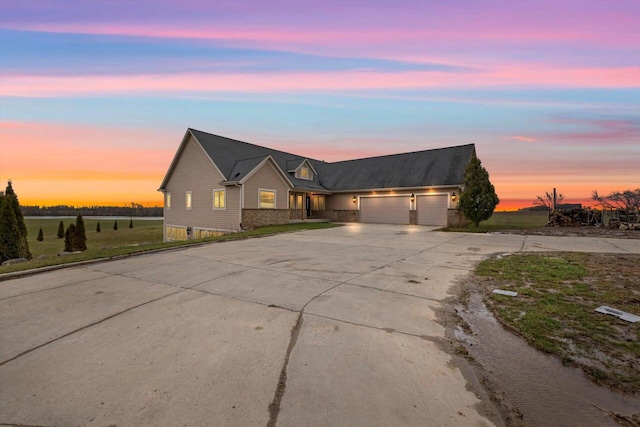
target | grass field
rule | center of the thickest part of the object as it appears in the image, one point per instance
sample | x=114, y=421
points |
x=144, y=236
x=507, y=221
x=554, y=309
x=143, y=232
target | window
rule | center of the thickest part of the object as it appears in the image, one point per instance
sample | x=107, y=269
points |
x=219, y=199
x=296, y=201
x=317, y=203
x=304, y=173
x=167, y=203
x=176, y=233
x=188, y=199
x=267, y=199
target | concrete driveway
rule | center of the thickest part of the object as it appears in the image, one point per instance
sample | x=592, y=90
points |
x=317, y=328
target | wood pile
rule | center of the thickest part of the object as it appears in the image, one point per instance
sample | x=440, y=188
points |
x=575, y=217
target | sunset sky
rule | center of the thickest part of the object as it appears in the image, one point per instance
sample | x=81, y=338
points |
x=95, y=96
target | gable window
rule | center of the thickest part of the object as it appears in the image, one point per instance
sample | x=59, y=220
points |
x=304, y=173
x=219, y=197
x=167, y=203
x=267, y=199
x=188, y=200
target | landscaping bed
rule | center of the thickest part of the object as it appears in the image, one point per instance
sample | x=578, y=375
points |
x=554, y=309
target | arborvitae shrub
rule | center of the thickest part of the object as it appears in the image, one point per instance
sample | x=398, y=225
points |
x=68, y=238
x=60, y=230
x=40, y=237
x=115, y=225
x=131, y=223
x=98, y=227
x=80, y=235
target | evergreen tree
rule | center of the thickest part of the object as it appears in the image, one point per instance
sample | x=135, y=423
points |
x=68, y=238
x=60, y=230
x=9, y=231
x=131, y=223
x=40, y=237
x=79, y=235
x=23, y=244
x=479, y=198
x=115, y=225
x=98, y=227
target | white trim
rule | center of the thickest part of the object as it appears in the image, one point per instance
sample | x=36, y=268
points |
x=213, y=202
x=275, y=197
x=241, y=204
x=167, y=197
x=188, y=200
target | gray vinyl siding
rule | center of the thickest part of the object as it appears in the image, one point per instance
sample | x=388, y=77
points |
x=268, y=179
x=195, y=172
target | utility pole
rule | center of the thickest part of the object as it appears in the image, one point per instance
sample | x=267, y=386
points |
x=555, y=198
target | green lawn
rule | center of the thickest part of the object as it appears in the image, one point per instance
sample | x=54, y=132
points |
x=554, y=309
x=507, y=221
x=143, y=232
x=144, y=236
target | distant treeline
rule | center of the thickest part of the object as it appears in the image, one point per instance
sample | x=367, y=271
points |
x=65, y=210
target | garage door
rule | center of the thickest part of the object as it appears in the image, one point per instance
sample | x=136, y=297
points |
x=385, y=210
x=432, y=210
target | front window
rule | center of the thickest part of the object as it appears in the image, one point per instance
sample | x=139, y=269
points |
x=188, y=200
x=219, y=199
x=317, y=203
x=167, y=203
x=267, y=199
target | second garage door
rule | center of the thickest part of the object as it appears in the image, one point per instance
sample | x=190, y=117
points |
x=385, y=210
x=432, y=210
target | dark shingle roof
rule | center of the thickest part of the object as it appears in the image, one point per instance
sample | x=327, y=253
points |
x=236, y=159
x=438, y=167
x=442, y=166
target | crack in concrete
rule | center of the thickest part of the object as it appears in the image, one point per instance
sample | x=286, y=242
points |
x=274, y=406
x=523, y=243
x=392, y=292
x=436, y=340
x=85, y=327
x=56, y=287
x=21, y=425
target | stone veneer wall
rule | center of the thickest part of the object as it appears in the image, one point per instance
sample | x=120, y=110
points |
x=252, y=218
x=335, y=215
x=413, y=217
x=295, y=214
x=455, y=218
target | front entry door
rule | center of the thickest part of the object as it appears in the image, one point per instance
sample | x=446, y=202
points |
x=308, y=206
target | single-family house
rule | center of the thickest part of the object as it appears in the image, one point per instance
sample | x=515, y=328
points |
x=217, y=185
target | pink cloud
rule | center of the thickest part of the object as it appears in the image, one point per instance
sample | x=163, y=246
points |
x=54, y=86
x=523, y=138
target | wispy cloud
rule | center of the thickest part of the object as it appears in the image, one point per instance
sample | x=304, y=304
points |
x=523, y=138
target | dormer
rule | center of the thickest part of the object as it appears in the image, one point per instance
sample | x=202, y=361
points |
x=304, y=171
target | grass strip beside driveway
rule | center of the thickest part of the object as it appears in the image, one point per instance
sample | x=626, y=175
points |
x=111, y=252
x=554, y=309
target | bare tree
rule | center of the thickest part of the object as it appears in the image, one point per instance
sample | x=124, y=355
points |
x=628, y=200
x=547, y=200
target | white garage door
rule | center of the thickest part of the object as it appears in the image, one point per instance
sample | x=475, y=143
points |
x=385, y=210
x=432, y=210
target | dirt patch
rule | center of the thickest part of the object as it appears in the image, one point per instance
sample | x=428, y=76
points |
x=586, y=231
